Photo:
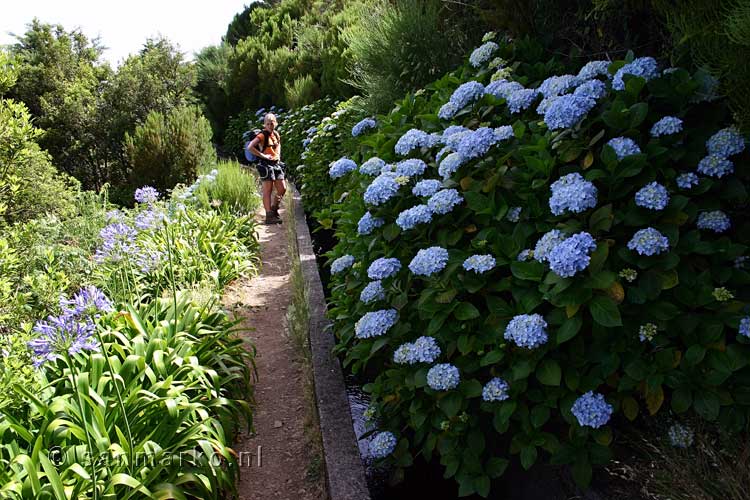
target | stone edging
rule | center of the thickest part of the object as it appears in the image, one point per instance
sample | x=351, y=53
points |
x=345, y=473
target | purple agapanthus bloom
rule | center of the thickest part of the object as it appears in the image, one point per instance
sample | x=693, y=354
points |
x=117, y=242
x=62, y=334
x=88, y=301
x=146, y=194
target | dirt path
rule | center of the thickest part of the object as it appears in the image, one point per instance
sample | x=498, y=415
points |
x=275, y=459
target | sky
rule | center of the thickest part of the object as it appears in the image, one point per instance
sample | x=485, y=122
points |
x=124, y=26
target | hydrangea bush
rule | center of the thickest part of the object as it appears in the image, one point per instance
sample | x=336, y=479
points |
x=558, y=323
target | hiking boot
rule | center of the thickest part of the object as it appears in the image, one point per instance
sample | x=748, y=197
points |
x=272, y=218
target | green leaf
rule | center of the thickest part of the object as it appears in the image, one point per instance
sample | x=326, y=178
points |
x=532, y=271
x=451, y=403
x=682, y=398
x=695, y=355
x=605, y=311
x=548, y=372
x=496, y=466
x=391, y=232
x=581, y=473
x=706, y=404
x=528, y=456
x=638, y=113
x=471, y=389
x=601, y=219
x=491, y=358
x=539, y=416
x=569, y=329
x=466, y=311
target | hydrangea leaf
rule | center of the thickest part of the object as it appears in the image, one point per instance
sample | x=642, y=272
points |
x=605, y=311
x=549, y=373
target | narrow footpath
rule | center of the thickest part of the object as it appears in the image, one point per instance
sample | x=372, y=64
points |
x=275, y=459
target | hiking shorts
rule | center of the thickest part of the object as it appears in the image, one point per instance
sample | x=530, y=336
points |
x=270, y=170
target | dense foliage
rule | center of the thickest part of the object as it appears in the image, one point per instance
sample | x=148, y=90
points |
x=531, y=260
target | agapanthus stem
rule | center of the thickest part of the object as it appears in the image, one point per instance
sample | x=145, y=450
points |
x=168, y=235
x=85, y=422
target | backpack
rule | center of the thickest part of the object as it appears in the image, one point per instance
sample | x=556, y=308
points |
x=250, y=156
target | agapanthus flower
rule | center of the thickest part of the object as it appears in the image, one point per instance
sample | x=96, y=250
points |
x=444, y=201
x=624, y=146
x=668, y=125
x=680, y=436
x=411, y=217
x=375, y=324
x=373, y=166
x=363, y=125
x=745, y=327
x=514, y=214
x=373, y=292
x=429, y=261
x=653, y=196
x=527, y=330
x=591, y=410
x=382, y=444
x=566, y=111
x=480, y=264
x=383, y=268
x=592, y=89
x=644, y=67
x=495, y=390
x=521, y=100
x=114, y=216
x=341, y=167
x=66, y=334
x=572, y=193
x=467, y=93
x=570, y=256
x=89, y=301
x=383, y=188
x=117, y=242
x=146, y=194
x=448, y=110
x=148, y=219
x=411, y=167
x=726, y=142
x=556, y=85
x=148, y=260
x=342, y=263
x=413, y=139
x=649, y=242
x=482, y=54
x=450, y=165
x=647, y=332
x=479, y=142
x=368, y=223
x=427, y=187
x=592, y=69
x=716, y=221
x=502, y=89
x=443, y=377
x=715, y=166
x=687, y=180
x=546, y=243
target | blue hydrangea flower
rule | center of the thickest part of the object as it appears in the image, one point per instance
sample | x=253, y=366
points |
x=467, y=93
x=453, y=140
x=375, y=324
x=482, y=54
x=653, y=195
x=503, y=133
x=409, y=218
x=514, y=214
x=739, y=262
x=373, y=166
x=592, y=69
x=569, y=257
x=566, y=111
x=65, y=334
x=382, y=444
x=503, y=89
x=545, y=104
x=624, y=146
x=666, y=126
x=382, y=189
x=649, y=242
x=411, y=167
x=726, y=142
x=453, y=129
x=479, y=142
x=687, y=181
x=525, y=255
x=745, y=326
x=521, y=100
x=341, y=167
x=480, y=264
x=443, y=377
x=527, y=330
x=440, y=154
x=556, y=85
x=715, y=166
x=413, y=139
x=373, y=292
x=495, y=390
x=423, y=350
x=368, y=223
x=363, y=125
x=592, y=89
x=546, y=243
x=383, y=268
x=572, y=193
x=444, y=201
x=680, y=436
x=429, y=261
x=117, y=242
x=644, y=67
x=591, y=410
x=448, y=110
x=427, y=187
x=716, y=221
x=146, y=194
x=341, y=264
x=450, y=165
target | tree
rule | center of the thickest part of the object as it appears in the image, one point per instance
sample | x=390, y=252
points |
x=212, y=65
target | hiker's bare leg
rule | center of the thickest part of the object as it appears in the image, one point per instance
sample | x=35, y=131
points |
x=267, y=187
x=280, y=191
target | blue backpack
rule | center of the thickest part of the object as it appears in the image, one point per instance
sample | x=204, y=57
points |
x=248, y=155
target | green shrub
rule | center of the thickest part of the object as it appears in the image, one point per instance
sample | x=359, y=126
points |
x=235, y=189
x=302, y=90
x=169, y=149
x=649, y=333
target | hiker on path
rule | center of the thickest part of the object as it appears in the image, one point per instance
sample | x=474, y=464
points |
x=267, y=148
